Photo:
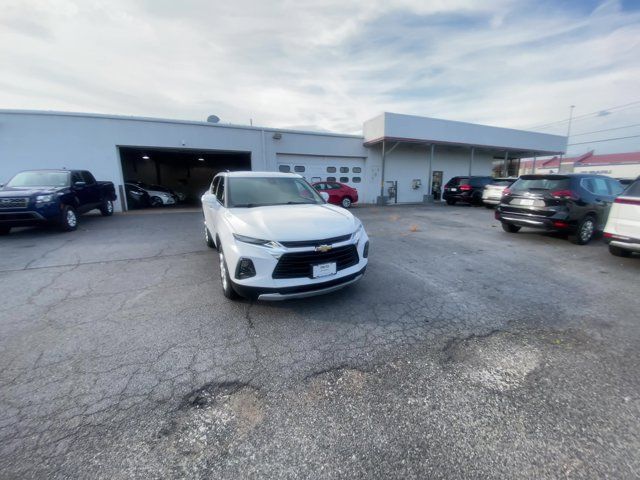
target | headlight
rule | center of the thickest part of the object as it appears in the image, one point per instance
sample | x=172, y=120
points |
x=358, y=233
x=44, y=198
x=256, y=241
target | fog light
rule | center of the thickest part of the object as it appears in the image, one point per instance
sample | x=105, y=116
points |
x=245, y=269
x=365, y=252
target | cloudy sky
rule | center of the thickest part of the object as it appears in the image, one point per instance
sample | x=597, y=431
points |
x=331, y=65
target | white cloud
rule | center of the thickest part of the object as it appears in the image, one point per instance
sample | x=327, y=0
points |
x=330, y=64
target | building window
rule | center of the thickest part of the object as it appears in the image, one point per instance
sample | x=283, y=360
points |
x=331, y=179
x=344, y=169
x=355, y=179
x=284, y=168
x=356, y=170
x=315, y=179
x=344, y=179
x=331, y=169
x=298, y=168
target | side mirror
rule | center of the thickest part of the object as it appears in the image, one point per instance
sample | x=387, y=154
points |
x=325, y=196
x=79, y=184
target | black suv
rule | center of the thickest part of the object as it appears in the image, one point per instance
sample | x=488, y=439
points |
x=574, y=203
x=465, y=189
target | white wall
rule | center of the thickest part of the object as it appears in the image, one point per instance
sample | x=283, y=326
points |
x=30, y=140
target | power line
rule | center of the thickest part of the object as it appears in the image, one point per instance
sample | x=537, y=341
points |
x=603, y=140
x=606, y=130
x=588, y=114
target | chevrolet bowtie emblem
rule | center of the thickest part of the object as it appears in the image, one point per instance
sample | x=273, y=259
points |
x=323, y=248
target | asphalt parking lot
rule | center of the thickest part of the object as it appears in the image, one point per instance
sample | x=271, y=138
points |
x=465, y=352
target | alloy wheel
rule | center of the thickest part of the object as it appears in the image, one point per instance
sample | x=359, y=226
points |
x=587, y=229
x=223, y=271
x=72, y=220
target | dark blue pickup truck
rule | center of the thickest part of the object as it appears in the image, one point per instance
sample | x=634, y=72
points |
x=52, y=196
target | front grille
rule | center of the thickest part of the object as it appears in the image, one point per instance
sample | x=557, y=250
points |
x=6, y=203
x=300, y=264
x=17, y=216
x=315, y=243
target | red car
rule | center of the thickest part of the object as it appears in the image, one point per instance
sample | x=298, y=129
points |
x=339, y=193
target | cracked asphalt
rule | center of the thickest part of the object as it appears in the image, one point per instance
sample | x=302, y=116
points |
x=465, y=352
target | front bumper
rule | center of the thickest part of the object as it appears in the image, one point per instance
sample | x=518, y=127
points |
x=271, y=282
x=27, y=217
x=302, y=291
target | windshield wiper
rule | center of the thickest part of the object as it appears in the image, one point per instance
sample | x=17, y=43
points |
x=300, y=203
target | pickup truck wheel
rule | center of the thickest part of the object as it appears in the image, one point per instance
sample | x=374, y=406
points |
x=585, y=231
x=155, y=201
x=227, y=288
x=68, y=219
x=5, y=230
x=208, y=239
x=451, y=201
x=346, y=202
x=106, y=209
x=507, y=227
x=619, y=252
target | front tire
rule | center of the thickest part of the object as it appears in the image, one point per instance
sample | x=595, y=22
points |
x=106, y=209
x=509, y=228
x=619, y=252
x=225, y=278
x=585, y=231
x=68, y=219
x=346, y=202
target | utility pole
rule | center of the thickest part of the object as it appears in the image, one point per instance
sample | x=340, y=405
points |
x=571, y=107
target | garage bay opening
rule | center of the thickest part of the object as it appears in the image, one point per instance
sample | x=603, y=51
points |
x=163, y=177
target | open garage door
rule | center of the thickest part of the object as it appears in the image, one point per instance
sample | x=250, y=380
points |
x=348, y=170
x=157, y=177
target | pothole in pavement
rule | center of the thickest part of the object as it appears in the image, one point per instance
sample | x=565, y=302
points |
x=339, y=381
x=499, y=361
x=212, y=419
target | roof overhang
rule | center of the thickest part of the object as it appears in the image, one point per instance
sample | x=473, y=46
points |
x=411, y=129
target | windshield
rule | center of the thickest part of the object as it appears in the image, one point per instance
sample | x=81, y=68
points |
x=40, y=179
x=541, y=183
x=261, y=191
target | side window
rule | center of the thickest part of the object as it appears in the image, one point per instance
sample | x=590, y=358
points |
x=88, y=177
x=331, y=179
x=587, y=184
x=356, y=169
x=214, y=185
x=284, y=168
x=331, y=169
x=344, y=179
x=320, y=186
x=344, y=169
x=601, y=186
x=299, y=168
x=220, y=190
x=76, y=177
x=615, y=187
x=356, y=179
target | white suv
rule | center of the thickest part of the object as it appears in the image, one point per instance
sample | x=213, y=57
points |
x=622, y=231
x=277, y=238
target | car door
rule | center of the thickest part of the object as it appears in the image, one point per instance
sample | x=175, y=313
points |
x=603, y=198
x=334, y=190
x=93, y=192
x=81, y=191
x=210, y=205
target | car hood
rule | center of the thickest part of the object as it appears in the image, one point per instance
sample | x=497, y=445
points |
x=292, y=222
x=27, y=191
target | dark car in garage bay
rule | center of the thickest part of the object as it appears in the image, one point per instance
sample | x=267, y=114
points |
x=577, y=204
x=57, y=197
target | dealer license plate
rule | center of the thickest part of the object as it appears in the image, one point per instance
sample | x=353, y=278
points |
x=526, y=201
x=324, y=269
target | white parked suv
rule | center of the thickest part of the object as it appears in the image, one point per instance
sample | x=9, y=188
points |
x=277, y=238
x=622, y=231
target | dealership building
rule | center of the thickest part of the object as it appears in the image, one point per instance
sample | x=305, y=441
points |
x=397, y=159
